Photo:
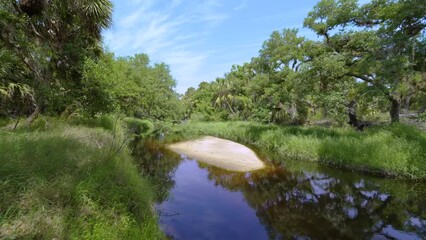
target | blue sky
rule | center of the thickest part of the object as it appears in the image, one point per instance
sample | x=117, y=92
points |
x=200, y=39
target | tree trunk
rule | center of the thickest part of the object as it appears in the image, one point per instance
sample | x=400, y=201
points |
x=229, y=107
x=395, y=110
x=272, y=119
x=17, y=122
x=33, y=116
x=407, y=103
x=324, y=112
x=293, y=113
x=353, y=120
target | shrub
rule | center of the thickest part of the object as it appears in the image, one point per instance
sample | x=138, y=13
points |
x=139, y=126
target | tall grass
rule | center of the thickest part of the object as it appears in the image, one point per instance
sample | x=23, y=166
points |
x=70, y=182
x=396, y=150
x=107, y=122
x=4, y=121
x=138, y=126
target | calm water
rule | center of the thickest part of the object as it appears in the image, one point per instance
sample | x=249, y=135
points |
x=299, y=200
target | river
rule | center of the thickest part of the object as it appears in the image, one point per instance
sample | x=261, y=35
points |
x=294, y=200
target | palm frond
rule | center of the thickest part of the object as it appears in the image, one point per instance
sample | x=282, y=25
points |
x=98, y=11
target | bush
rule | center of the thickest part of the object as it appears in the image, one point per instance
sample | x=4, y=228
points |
x=107, y=122
x=422, y=117
x=139, y=126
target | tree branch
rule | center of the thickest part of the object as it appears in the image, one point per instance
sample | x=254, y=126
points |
x=17, y=9
x=362, y=77
x=370, y=79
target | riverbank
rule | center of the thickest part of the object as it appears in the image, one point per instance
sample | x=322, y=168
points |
x=62, y=181
x=396, y=150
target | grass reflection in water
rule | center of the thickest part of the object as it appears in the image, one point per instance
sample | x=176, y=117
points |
x=291, y=201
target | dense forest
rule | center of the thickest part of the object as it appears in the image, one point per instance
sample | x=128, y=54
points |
x=73, y=115
x=370, y=59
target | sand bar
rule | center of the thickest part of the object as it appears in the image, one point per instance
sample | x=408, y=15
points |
x=219, y=152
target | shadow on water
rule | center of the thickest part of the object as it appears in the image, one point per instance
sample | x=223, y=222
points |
x=300, y=200
x=158, y=164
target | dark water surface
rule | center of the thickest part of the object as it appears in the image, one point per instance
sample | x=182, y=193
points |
x=298, y=200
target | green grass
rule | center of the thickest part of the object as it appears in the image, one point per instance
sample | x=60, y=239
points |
x=4, y=121
x=395, y=150
x=138, y=126
x=72, y=182
x=107, y=122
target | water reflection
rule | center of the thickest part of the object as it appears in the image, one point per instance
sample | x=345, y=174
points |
x=155, y=161
x=319, y=205
x=301, y=203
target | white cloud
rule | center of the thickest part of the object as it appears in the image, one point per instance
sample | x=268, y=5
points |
x=132, y=19
x=186, y=67
x=207, y=11
x=168, y=36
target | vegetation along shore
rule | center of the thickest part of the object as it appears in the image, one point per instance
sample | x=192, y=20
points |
x=351, y=95
x=395, y=151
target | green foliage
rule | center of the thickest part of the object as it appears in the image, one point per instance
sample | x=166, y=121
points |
x=16, y=97
x=47, y=43
x=139, y=126
x=86, y=190
x=130, y=85
x=98, y=80
x=370, y=57
x=422, y=117
x=291, y=78
x=199, y=103
x=108, y=122
x=376, y=42
x=397, y=150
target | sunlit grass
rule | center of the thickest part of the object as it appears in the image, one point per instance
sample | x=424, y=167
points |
x=395, y=150
x=70, y=182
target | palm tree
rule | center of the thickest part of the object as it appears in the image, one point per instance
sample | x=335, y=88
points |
x=56, y=38
x=223, y=95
